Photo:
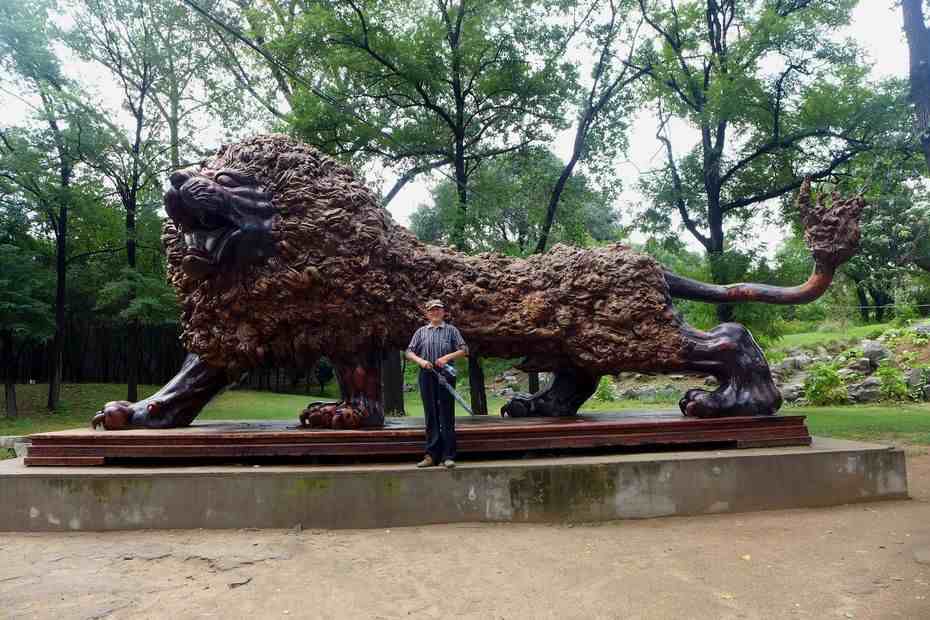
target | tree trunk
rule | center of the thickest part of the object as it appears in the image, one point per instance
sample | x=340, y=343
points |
x=56, y=355
x=918, y=43
x=8, y=361
x=392, y=383
x=863, y=302
x=533, y=382
x=132, y=340
x=479, y=401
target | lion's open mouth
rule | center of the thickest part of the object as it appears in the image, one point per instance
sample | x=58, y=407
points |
x=206, y=249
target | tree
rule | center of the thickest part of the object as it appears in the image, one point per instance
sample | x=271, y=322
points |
x=427, y=85
x=604, y=107
x=25, y=314
x=39, y=165
x=120, y=35
x=918, y=43
x=773, y=99
x=509, y=213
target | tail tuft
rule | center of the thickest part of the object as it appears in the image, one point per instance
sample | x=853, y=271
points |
x=831, y=227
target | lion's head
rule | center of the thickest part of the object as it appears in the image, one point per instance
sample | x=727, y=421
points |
x=262, y=240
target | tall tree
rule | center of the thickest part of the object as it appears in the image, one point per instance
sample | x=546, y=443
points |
x=25, y=314
x=120, y=36
x=430, y=84
x=42, y=166
x=611, y=34
x=918, y=44
x=772, y=97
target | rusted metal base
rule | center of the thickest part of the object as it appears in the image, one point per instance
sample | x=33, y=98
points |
x=405, y=436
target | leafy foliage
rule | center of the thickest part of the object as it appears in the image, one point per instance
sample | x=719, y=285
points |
x=893, y=386
x=824, y=386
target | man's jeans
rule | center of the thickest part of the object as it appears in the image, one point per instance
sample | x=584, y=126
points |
x=439, y=408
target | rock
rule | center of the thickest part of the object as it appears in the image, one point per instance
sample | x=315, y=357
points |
x=875, y=351
x=914, y=378
x=506, y=393
x=862, y=365
x=677, y=377
x=923, y=329
x=711, y=381
x=793, y=392
x=822, y=352
x=867, y=391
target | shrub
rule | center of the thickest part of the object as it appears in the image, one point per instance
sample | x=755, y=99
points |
x=605, y=389
x=893, y=386
x=824, y=386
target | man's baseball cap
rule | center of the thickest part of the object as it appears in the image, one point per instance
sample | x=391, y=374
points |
x=434, y=303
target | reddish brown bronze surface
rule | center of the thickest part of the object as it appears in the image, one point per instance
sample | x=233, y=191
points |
x=405, y=436
x=280, y=255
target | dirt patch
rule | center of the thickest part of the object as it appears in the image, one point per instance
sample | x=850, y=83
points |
x=858, y=561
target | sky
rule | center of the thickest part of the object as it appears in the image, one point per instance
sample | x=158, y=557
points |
x=876, y=25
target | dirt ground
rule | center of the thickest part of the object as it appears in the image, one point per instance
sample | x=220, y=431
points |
x=859, y=561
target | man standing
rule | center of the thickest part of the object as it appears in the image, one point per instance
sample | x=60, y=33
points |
x=436, y=346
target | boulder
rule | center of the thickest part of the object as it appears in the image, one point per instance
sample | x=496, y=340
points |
x=866, y=391
x=923, y=329
x=861, y=365
x=875, y=351
x=914, y=378
x=791, y=393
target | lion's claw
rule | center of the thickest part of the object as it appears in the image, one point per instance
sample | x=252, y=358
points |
x=115, y=415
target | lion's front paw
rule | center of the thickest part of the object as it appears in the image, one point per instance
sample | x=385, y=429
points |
x=332, y=415
x=115, y=415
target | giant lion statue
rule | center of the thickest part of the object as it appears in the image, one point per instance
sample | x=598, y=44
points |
x=280, y=255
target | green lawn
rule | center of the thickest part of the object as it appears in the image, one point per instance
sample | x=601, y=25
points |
x=813, y=339
x=909, y=423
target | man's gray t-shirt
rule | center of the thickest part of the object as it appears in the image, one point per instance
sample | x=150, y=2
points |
x=431, y=343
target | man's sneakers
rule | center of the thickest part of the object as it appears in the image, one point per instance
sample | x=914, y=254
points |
x=429, y=462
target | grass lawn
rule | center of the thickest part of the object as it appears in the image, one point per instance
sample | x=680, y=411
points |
x=909, y=423
x=813, y=339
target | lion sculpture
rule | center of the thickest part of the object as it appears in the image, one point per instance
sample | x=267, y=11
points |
x=280, y=255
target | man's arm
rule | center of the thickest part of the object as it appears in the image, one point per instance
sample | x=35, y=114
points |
x=413, y=347
x=461, y=350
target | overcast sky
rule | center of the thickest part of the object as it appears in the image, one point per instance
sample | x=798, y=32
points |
x=876, y=26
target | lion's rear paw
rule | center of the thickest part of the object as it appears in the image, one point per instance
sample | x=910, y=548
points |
x=731, y=400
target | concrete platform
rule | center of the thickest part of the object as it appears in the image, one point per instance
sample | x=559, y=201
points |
x=579, y=488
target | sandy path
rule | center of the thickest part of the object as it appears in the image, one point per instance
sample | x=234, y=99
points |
x=862, y=561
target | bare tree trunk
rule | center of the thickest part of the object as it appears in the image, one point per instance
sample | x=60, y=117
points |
x=9, y=374
x=918, y=43
x=392, y=383
x=479, y=400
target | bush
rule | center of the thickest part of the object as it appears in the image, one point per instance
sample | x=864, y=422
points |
x=824, y=386
x=605, y=389
x=893, y=386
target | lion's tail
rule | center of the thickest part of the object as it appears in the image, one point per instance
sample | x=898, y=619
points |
x=831, y=231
